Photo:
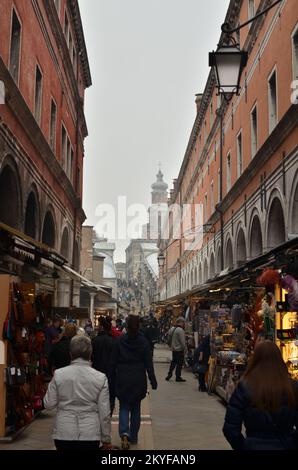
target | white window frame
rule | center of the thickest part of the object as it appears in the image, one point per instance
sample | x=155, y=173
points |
x=254, y=145
x=55, y=131
x=251, y=13
x=239, y=154
x=270, y=126
x=14, y=10
x=294, y=55
x=229, y=171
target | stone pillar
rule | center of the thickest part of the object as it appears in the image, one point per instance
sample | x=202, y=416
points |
x=91, y=313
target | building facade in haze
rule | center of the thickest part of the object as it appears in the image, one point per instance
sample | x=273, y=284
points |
x=246, y=176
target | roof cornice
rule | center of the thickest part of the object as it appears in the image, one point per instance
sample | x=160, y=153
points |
x=77, y=21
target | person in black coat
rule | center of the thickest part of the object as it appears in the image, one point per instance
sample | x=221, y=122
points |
x=203, y=355
x=59, y=355
x=266, y=402
x=132, y=361
x=102, y=351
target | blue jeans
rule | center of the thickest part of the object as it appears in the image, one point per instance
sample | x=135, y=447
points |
x=130, y=427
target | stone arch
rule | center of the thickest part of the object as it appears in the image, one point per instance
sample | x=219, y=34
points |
x=255, y=238
x=32, y=212
x=212, y=266
x=206, y=275
x=10, y=195
x=293, y=216
x=200, y=274
x=65, y=251
x=276, y=227
x=240, y=248
x=49, y=230
x=218, y=260
x=229, y=258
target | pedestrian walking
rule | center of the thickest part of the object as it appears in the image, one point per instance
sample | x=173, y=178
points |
x=81, y=396
x=60, y=352
x=103, y=346
x=177, y=344
x=203, y=352
x=266, y=402
x=132, y=362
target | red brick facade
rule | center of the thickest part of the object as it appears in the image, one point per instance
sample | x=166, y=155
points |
x=259, y=197
x=41, y=165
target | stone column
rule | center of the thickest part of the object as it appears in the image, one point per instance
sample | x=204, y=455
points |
x=91, y=313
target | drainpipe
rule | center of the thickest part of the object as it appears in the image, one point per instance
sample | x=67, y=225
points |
x=219, y=205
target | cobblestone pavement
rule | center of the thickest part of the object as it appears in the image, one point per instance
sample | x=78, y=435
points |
x=176, y=416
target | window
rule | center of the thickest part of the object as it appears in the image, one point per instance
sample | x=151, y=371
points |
x=239, y=155
x=228, y=172
x=66, y=29
x=67, y=169
x=295, y=53
x=64, y=148
x=57, y=5
x=38, y=94
x=254, y=131
x=212, y=197
x=205, y=132
x=272, y=101
x=74, y=59
x=70, y=46
x=53, y=126
x=15, y=47
x=219, y=186
x=211, y=114
x=237, y=33
x=206, y=203
x=251, y=9
x=71, y=165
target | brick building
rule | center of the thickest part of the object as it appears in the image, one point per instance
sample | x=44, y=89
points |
x=246, y=177
x=45, y=71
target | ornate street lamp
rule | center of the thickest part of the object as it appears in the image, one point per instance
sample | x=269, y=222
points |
x=161, y=260
x=229, y=60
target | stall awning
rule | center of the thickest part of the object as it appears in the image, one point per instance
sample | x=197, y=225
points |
x=84, y=281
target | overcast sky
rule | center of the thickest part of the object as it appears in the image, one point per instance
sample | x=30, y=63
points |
x=148, y=59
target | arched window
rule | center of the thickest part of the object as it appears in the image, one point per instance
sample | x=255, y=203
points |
x=49, y=231
x=276, y=231
x=31, y=216
x=212, y=266
x=256, y=243
x=10, y=203
x=65, y=244
x=229, y=255
x=206, y=275
x=295, y=211
x=241, y=248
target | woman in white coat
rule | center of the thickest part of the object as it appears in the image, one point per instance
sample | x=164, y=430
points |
x=81, y=396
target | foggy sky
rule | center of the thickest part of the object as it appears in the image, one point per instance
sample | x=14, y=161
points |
x=148, y=59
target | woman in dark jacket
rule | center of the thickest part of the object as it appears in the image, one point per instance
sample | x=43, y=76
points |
x=60, y=355
x=132, y=359
x=265, y=401
x=102, y=351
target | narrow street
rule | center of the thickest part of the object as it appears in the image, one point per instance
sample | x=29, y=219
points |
x=176, y=416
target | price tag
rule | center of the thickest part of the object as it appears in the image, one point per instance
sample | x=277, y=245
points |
x=13, y=371
x=37, y=319
x=24, y=332
x=19, y=372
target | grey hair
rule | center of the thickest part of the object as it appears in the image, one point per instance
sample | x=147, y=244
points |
x=80, y=348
